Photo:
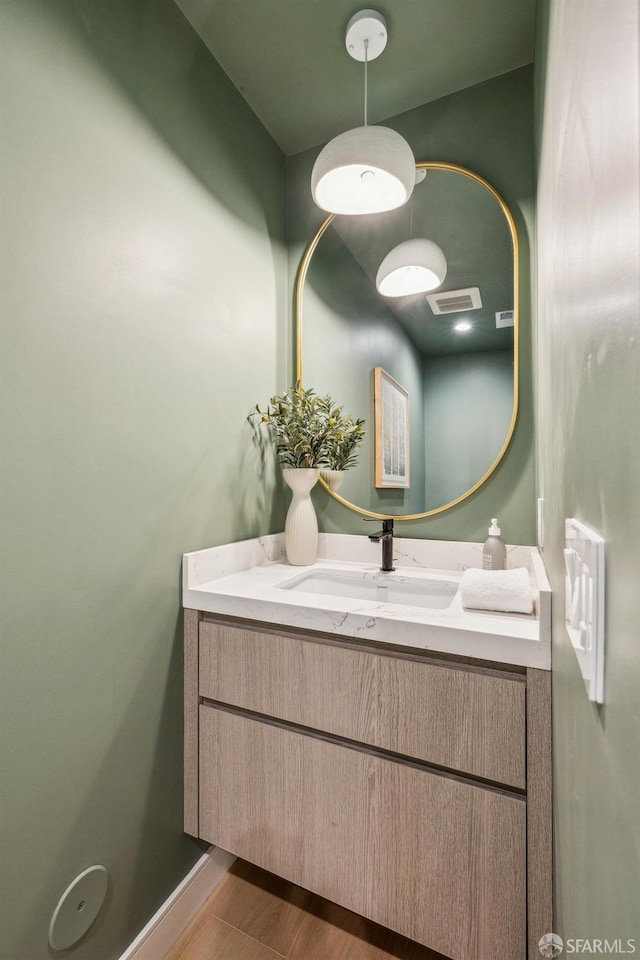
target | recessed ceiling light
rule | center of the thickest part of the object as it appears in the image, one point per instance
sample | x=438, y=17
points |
x=462, y=326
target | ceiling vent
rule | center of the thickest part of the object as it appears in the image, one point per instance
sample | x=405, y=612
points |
x=455, y=301
x=504, y=318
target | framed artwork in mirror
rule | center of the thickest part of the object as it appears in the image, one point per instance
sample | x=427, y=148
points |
x=391, y=415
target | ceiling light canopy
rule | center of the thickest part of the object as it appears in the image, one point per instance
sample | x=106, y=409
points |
x=367, y=169
x=414, y=266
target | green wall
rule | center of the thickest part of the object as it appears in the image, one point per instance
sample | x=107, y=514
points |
x=341, y=306
x=588, y=440
x=487, y=128
x=143, y=283
x=468, y=405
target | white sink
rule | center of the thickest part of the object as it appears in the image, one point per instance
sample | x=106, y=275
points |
x=433, y=592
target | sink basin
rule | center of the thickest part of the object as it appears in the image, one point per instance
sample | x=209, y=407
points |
x=431, y=592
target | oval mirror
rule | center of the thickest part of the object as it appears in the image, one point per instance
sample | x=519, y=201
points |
x=435, y=375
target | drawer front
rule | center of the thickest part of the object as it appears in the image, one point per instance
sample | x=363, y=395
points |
x=462, y=719
x=434, y=858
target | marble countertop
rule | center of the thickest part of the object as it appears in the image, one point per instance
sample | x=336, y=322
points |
x=246, y=580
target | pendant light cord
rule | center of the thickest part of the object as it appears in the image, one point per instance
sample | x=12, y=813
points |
x=366, y=53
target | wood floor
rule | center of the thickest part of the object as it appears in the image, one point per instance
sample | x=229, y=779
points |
x=253, y=915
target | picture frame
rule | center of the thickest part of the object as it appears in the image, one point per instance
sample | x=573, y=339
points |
x=392, y=431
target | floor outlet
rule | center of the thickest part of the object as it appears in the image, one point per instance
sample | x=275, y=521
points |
x=78, y=907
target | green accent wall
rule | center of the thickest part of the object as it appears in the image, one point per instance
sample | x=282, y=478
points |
x=588, y=441
x=341, y=306
x=487, y=128
x=468, y=405
x=144, y=301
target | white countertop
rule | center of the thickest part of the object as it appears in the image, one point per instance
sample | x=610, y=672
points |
x=245, y=580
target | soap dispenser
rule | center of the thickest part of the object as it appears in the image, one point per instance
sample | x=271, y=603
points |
x=494, y=552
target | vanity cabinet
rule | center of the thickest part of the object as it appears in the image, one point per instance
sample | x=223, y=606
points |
x=411, y=789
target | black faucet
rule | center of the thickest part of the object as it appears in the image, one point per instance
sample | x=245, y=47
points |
x=385, y=537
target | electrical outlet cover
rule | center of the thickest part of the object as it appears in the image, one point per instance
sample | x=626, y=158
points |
x=540, y=522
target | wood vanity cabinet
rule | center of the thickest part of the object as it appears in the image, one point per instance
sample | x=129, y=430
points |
x=412, y=789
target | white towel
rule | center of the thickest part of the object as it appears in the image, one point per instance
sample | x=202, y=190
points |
x=507, y=591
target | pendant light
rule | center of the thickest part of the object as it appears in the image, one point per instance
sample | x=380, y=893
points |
x=367, y=169
x=414, y=266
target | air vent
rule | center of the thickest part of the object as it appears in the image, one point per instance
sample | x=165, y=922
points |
x=504, y=318
x=455, y=301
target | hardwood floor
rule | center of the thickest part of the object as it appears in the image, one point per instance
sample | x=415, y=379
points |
x=254, y=915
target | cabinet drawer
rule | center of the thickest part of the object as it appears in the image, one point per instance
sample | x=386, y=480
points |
x=435, y=858
x=467, y=720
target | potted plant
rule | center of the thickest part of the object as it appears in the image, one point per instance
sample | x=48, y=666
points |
x=343, y=441
x=310, y=434
x=299, y=422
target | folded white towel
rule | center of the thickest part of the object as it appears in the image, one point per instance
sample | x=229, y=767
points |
x=508, y=591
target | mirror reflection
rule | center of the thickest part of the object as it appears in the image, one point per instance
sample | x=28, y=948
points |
x=446, y=359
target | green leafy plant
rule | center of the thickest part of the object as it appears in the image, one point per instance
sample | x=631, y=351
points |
x=343, y=442
x=311, y=431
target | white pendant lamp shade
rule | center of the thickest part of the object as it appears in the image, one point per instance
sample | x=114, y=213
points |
x=415, y=266
x=365, y=170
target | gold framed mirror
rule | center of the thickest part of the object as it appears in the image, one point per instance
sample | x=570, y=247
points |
x=461, y=382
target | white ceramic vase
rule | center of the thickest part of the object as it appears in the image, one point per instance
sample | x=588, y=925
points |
x=301, y=525
x=332, y=478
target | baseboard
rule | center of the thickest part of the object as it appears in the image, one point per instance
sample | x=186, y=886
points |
x=166, y=925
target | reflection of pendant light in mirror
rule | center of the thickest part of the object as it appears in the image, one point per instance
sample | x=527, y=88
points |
x=367, y=169
x=414, y=266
